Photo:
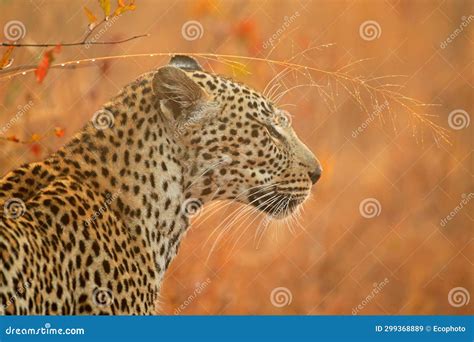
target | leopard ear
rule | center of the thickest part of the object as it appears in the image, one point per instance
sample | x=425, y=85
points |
x=185, y=63
x=178, y=94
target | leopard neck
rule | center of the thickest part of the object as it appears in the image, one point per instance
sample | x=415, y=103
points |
x=128, y=153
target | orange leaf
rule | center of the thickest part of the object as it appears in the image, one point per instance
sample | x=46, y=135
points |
x=6, y=61
x=123, y=7
x=13, y=138
x=35, y=137
x=59, y=132
x=44, y=65
x=105, y=5
x=90, y=16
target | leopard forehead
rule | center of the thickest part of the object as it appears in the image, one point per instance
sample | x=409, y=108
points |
x=237, y=95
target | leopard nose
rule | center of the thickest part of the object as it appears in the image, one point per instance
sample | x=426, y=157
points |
x=315, y=174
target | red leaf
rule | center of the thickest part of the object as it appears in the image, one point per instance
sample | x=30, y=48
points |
x=247, y=32
x=245, y=29
x=59, y=132
x=45, y=64
x=35, y=149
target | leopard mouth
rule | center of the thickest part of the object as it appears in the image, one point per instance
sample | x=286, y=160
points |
x=275, y=204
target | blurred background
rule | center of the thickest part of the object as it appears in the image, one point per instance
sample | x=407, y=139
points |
x=389, y=227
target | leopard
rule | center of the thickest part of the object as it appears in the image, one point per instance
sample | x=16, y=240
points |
x=92, y=228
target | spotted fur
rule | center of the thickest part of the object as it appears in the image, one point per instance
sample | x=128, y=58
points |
x=93, y=228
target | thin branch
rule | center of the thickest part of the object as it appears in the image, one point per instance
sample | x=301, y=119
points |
x=356, y=87
x=77, y=43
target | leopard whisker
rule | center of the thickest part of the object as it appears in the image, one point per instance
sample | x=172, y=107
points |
x=227, y=203
x=256, y=209
x=238, y=213
x=271, y=202
x=266, y=222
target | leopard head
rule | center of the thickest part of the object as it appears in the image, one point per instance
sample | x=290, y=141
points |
x=237, y=144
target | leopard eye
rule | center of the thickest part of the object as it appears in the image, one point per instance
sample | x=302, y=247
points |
x=273, y=132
